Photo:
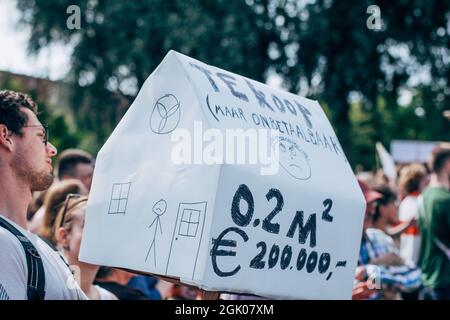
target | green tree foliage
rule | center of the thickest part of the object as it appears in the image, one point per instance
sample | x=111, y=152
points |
x=121, y=42
x=321, y=48
x=335, y=53
x=60, y=133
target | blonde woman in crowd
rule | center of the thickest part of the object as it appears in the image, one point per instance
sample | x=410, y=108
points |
x=44, y=220
x=69, y=226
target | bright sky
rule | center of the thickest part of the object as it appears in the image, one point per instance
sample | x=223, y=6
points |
x=51, y=62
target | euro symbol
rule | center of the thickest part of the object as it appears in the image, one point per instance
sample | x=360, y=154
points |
x=226, y=243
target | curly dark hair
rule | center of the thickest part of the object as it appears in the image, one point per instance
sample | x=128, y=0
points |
x=10, y=113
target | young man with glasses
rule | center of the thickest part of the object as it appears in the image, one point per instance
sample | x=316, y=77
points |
x=29, y=268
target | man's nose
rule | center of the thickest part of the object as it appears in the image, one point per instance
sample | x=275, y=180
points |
x=51, y=150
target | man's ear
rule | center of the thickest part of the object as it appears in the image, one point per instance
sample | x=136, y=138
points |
x=5, y=137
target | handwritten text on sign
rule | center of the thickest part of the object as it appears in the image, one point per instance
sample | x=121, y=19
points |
x=271, y=103
x=276, y=257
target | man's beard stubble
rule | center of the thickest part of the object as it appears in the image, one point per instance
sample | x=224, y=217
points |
x=41, y=181
x=38, y=181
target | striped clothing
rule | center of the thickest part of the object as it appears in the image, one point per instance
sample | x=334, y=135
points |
x=375, y=244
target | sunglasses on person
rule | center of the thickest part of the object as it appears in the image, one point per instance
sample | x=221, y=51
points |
x=45, y=127
x=69, y=197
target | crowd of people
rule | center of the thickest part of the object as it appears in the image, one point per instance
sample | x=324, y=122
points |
x=405, y=244
x=404, y=248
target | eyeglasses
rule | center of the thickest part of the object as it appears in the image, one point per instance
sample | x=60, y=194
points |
x=66, y=205
x=45, y=127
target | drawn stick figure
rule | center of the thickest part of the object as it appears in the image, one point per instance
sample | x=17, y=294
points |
x=159, y=208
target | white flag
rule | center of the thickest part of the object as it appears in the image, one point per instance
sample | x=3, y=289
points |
x=387, y=161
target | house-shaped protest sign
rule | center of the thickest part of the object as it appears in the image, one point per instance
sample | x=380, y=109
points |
x=174, y=195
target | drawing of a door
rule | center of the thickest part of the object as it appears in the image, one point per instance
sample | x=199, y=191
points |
x=186, y=239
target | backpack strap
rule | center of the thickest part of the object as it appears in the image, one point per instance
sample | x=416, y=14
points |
x=36, y=273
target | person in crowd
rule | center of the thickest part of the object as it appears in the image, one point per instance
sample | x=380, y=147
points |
x=385, y=209
x=69, y=226
x=44, y=219
x=75, y=164
x=29, y=268
x=181, y=292
x=381, y=272
x=434, y=224
x=71, y=164
x=385, y=216
x=116, y=281
x=146, y=284
x=412, y=180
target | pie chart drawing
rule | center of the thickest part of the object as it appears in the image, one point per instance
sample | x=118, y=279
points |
x=165, y=115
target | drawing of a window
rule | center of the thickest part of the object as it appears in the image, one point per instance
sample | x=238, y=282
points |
x=189, y=222
x=119, y=198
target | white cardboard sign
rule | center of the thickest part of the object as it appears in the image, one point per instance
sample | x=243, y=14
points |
x=225, y=227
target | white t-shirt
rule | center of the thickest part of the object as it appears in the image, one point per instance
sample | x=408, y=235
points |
x=410, y=238
x=59, y=281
